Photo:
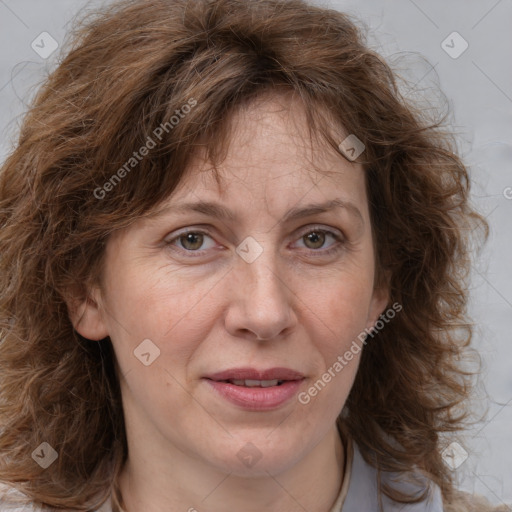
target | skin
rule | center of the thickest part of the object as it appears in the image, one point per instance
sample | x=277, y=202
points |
x=294, y=306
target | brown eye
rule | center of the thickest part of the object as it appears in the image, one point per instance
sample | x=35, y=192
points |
x=191, y=241
x=314, y=239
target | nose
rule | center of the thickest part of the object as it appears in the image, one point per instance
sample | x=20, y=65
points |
x=261, y=302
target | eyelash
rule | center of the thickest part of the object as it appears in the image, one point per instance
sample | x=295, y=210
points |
x=336, y=247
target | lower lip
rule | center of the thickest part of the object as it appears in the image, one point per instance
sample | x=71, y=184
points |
x=256, y=399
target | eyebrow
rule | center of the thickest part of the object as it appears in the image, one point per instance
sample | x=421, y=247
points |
x=218, y=211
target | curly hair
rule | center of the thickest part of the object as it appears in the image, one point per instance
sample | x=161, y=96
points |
x=128, y=68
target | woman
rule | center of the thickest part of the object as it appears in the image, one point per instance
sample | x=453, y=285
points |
x=233, y=267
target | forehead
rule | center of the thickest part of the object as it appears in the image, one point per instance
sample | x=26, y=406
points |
x=270, y=153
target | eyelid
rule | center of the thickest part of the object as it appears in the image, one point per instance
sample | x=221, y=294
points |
x=320, y=227
x=206, y=229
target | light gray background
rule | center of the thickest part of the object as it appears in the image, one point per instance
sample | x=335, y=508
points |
x=478, y=86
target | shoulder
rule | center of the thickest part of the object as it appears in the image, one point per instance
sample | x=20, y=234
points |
x=363, y=492
x=13, y=500
x=466, y=502
x=363, y=489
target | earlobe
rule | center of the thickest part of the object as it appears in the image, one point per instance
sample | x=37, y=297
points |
x=86, y=314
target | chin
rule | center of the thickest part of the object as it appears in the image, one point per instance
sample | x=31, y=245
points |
x=259, y=457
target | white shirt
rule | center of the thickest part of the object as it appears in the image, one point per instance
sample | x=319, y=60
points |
x=359, y=493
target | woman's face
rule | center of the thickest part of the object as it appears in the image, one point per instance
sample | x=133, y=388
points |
x=265, y=287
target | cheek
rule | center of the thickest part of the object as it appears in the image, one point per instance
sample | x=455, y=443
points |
x=338, y=316
x=175, y=317
x=156, y=299
x=342, y=304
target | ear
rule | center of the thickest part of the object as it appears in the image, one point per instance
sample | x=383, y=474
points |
x=86, y=314
x=379, y=301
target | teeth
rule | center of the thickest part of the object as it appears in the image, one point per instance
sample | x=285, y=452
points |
x=255, y=383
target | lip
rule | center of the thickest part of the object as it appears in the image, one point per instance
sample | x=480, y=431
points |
x=252, y=373
x=256, y=398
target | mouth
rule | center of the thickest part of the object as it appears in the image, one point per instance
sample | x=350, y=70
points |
x=249, y=383
x=256, y=390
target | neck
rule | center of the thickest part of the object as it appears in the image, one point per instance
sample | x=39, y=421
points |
x=148, y=482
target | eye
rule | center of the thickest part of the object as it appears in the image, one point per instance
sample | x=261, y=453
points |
x=191, y=241
x=315, y=238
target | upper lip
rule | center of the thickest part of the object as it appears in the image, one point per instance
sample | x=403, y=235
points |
x=254, y=374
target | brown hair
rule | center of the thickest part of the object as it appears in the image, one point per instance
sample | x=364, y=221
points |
x=128, y=69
